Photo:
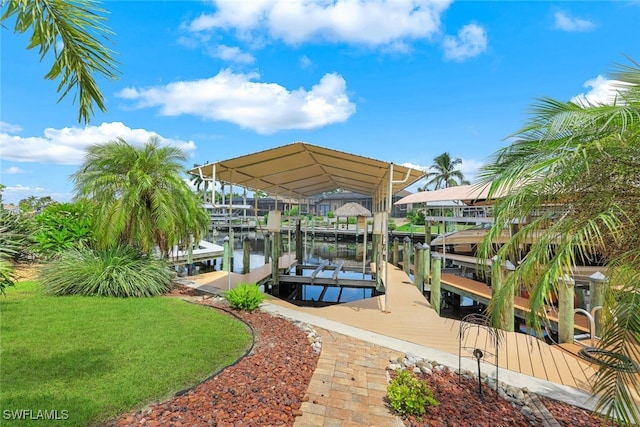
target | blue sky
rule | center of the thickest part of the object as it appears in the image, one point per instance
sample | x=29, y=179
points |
x=400, y=81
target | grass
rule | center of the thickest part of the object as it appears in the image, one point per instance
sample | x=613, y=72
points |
x=92, y=358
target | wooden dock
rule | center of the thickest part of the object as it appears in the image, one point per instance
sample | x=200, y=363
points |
x=482, y=293
x=219, y=281
x=405, y=314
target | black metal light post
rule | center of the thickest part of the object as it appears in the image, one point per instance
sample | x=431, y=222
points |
x=477, y=353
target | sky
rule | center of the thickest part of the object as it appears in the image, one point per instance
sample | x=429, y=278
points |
x=398, y=81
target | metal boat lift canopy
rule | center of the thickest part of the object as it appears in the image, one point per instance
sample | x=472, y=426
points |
x=301, y=170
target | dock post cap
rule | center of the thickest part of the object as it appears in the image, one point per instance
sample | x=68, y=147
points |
x=567, y=280
x=598, y=277
x=418, y=246
x=436, y=255
x=406, y=239
x=509, y=265
x=226, y=238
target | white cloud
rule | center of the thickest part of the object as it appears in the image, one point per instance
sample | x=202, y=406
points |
x=305, y=62
x=232, y=54
x=471, y=41
x=415, y=166
x=237, y=98
x=9, y=128
x=565, y=22
x=13, y=170
x=67, y=146
x=357, y=22
x=603, y=92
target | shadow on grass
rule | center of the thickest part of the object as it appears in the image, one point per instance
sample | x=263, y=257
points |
x=61, y=367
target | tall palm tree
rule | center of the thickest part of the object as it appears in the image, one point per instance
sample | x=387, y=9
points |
x=445, y=173
x=579, y=165
x=139, y=195
x=80, y=27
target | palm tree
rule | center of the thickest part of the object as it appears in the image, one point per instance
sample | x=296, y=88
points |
x=139, y=196
x=445, y=173
x=202, y=185
x=80, y=26
x=584, y=158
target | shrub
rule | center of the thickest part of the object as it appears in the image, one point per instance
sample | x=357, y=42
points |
x=116, y=272
x=7, y=277
x=416, y=217
x=62, y=226
x=15, y=236
x=410, y=396
x=245, y=297
x=15, y=244
x=330, y=214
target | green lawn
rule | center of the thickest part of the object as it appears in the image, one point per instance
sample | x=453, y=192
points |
x=91, y=358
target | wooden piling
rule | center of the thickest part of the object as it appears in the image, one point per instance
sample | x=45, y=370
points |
x=226, y=257
x=566, y=295
x=507, y=317
x=418, y=273
x=596, y=298
x=246, y=255
x=406, y=255
x=299, y=247
x=435, y=282
x=275, y=259
x=267, y=247
x=426, y=257
x=396, y=244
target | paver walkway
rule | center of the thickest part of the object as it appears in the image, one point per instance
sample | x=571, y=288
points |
x=349, y=384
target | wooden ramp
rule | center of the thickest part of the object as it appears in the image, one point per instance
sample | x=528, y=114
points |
x=405, y=314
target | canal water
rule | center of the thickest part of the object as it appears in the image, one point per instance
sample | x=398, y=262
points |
x=316, y=252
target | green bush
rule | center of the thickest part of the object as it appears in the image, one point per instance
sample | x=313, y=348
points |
x=62, y=226
x=416, y=217
x=330, y=214
x=15, y=236
x=408, y=395
x=245, y=297
x=116, y=272
x=15, y=243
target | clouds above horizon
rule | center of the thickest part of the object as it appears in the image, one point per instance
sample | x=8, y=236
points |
x=237, y=98
x=356, y=22
x=565, y=22
x=67, y=146
x=470, y=41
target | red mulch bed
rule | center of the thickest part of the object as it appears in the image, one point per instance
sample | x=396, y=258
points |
x=267, y=387
x=461, y=405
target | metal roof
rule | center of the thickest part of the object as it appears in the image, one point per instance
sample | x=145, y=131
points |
x=468, y=194
x=303, y=170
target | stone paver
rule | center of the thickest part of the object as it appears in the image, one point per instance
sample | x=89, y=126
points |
x=349, y=384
